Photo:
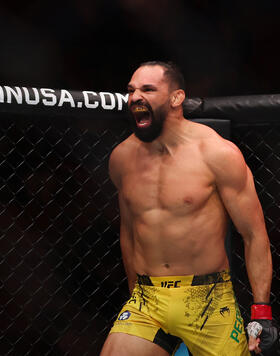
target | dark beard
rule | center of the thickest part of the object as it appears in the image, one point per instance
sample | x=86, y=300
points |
x=152, y=132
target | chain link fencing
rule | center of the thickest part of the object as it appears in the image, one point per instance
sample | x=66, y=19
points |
x=62, y=279
x=260, y=145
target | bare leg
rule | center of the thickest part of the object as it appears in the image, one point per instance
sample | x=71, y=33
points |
x=120, y=344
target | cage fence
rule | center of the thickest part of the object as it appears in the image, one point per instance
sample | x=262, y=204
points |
x=62, y=278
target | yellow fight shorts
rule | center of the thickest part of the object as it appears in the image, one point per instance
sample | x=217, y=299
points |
x=200, y=310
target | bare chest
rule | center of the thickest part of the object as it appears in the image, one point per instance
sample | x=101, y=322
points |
x=175, y=184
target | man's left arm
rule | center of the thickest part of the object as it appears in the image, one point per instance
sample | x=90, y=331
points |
x=241, y=201
x=236, y=187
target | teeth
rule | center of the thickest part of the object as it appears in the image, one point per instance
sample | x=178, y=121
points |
x=140, y=109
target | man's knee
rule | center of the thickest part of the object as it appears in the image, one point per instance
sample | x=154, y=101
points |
x=110, y=346
x=120, y=344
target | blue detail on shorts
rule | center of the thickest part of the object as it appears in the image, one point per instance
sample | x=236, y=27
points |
x=125, y=315
x=182, y=351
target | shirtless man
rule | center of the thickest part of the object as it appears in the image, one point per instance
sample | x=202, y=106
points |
x=178, y=183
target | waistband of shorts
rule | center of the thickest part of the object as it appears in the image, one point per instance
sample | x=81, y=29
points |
x=182, y=281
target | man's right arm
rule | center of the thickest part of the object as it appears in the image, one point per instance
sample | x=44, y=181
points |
x=126, y=237
x=126, y=241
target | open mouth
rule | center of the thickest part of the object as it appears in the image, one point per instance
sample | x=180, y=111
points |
x=142, y=116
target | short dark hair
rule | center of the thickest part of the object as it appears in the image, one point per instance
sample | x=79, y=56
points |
x=172, y=72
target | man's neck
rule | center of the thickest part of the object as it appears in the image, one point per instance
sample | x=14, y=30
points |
x=171, y=136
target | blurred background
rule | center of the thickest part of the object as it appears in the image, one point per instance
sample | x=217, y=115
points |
x=223, y=47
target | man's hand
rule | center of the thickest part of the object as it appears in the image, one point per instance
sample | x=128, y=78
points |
x=262, y=334
x=254, y=330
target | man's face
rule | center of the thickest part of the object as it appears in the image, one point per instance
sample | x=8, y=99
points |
x=148, y=102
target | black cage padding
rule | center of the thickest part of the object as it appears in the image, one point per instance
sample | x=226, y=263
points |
x=111, y=107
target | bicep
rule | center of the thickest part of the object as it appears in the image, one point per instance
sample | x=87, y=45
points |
x=117, y=162
x=240, y=199
x=126, y=231
x=236, y=188
x=125, y=216
x=126, y=241
x=114, y=169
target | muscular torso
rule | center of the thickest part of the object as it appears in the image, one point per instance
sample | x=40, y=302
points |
x=178, y=221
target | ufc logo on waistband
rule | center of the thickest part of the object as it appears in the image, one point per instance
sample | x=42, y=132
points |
x=170, y=284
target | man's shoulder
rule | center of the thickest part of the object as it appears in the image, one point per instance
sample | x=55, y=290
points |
x=221, y=150
x=217, y=151
x=123, y=149
x=225, y=160
x=212, y=144
x=119, y=158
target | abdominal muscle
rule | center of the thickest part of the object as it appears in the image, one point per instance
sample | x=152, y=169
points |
x=166, y=244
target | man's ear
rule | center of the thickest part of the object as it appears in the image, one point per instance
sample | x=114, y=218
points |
x=177, y=98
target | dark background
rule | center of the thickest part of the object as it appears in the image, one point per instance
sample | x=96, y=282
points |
x=223, y=47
